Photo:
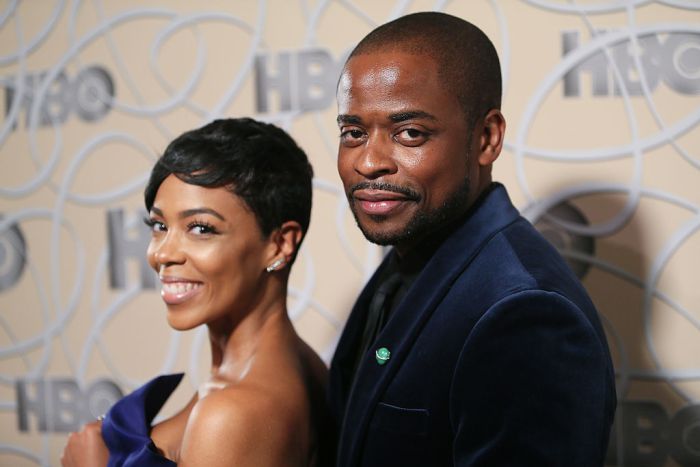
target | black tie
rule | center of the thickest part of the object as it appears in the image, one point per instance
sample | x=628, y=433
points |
x=377, y=314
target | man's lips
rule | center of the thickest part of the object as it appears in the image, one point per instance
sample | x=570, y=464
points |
x=176, y=290
x=379, y=202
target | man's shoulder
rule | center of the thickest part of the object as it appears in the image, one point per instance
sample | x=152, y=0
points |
x=518, y=252
x=513, y=260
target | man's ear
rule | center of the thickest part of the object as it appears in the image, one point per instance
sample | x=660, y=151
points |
x=491, y=138
x=285, y=241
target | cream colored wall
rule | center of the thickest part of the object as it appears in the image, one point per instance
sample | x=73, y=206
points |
x=628, y=163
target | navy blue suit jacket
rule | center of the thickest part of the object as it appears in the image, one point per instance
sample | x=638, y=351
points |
x=497, y=358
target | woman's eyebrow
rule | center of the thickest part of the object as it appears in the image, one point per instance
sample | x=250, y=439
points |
x=193, y=212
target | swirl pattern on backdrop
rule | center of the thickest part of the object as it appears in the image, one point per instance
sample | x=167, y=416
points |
x=68, y=68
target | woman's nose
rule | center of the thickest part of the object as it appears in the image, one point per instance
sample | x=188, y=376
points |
x=168, y=250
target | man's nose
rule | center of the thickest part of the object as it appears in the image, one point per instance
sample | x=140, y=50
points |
x=377, y=158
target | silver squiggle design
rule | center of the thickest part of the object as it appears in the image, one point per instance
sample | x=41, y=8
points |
x=72, y=275
x=666, y=135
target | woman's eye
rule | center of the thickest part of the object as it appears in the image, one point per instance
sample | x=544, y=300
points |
x=201, y=229
x=154, y=225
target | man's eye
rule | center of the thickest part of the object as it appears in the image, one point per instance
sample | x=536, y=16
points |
x=351, y=134
x=411, y=137
x=412, y=133
x=351, y=137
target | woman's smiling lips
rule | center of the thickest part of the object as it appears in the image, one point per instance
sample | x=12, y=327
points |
x=175, y=290
x=379, y=202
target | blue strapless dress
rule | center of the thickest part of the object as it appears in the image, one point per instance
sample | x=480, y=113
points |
x=126, y=428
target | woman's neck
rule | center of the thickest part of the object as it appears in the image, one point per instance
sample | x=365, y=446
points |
x=235, y=345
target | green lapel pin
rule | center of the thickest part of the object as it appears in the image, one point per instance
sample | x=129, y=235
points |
x=382, y=355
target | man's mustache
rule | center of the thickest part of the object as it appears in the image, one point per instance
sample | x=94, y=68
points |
x=383, y=186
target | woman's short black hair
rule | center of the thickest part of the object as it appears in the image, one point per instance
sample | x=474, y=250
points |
x=256, y=161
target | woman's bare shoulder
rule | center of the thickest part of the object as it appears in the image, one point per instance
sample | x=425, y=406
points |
x=242, y=425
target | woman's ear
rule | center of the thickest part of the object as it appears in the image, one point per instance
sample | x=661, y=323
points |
x=492, y=136
x=285, y=241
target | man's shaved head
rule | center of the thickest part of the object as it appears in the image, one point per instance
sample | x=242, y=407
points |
x=466, y=59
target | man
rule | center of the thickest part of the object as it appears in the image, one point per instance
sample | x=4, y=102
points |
x=473, y=344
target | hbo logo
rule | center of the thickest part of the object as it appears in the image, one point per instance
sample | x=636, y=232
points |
x=60, y=405
x=303, y=80
x=89, y=95
x=674, y=60
x=645, y=435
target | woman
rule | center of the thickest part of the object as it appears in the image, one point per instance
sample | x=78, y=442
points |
x=229, y=204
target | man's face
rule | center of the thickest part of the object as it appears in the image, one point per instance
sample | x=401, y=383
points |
x=404, y=147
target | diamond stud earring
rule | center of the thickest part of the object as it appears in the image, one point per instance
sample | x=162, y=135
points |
x=273, y=267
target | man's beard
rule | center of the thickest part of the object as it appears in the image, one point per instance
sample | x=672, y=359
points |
x=423, y=223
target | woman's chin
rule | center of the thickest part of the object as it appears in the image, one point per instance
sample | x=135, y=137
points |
x=178, y=323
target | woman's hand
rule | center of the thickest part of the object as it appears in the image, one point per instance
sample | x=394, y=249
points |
x=86, y=447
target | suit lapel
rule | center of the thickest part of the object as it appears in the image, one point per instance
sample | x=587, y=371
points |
x=346, y=350
x=489, y=216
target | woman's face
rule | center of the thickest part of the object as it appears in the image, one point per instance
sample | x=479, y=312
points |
x=209, y=253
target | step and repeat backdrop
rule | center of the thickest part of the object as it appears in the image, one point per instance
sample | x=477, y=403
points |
x=602, y=100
